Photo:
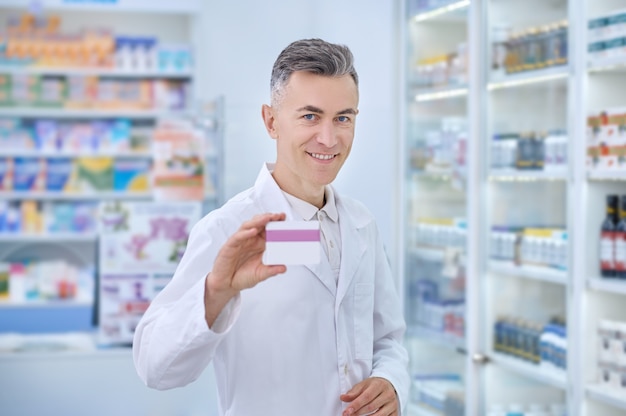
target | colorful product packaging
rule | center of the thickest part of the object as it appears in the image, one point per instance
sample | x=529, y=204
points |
x=47, y=135
x=94, y=174
x=6, y=174
x=29, y=174
x=131, y=175
x=52, y=91
x=24, y=89
x=59, y=174
x=32, y=221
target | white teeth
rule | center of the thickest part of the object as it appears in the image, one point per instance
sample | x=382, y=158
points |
x=321, y=156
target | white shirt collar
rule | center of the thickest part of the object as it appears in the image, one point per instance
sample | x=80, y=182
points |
x=309, y=211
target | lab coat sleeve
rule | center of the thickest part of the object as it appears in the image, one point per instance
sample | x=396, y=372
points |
x=390, y=359
x=173, y=344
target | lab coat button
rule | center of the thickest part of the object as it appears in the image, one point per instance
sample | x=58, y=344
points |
x=331, y=244
x=345, y=369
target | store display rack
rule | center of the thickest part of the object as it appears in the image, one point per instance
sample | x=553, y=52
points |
x=610, y=397
x=444, y=340
x=544, y=274
x=119, y=18
x=530, y=370
x=607, y=285
x=541, y=93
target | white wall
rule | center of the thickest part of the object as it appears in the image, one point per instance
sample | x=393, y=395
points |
x=238, y=44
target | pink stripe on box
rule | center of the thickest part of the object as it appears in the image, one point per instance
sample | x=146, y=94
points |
x=292, y=235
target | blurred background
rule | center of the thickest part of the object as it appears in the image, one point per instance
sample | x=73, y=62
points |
x=490, y=146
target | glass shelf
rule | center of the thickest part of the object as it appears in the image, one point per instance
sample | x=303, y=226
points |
x=615, y=286
x=544, y=274
x=533, y=371
x=603, y=394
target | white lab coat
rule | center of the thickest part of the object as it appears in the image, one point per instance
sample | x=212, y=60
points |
x=291, y=344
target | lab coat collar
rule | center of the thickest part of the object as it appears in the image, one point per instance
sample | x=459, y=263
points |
x=273, y=200
x=352, y=223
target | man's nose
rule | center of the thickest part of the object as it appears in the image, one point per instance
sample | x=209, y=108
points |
x=327, y=134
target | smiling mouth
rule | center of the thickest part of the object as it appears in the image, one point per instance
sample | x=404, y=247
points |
x=321, y=156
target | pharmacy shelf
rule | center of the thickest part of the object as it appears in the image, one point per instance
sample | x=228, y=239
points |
x=94, y=72
x=76, y=154
x=544, y=274
x=615, y=286
x=452, y=12
x=449, y=341
x=435, y=254
x=532, y=371
x=41, y=303
x=52, y=237
x=441, y=175
x=189, y=7
x=607, y=396
x=511, y=175
x=71, y=113
x=606, y=175
x=523, y=79
x=607, y=65
x=442, y=93
x=59, y=196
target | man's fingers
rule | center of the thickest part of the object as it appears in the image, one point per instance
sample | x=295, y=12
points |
x=253, y=227
x=373, y=396
x=260, y=221
x=266, y=272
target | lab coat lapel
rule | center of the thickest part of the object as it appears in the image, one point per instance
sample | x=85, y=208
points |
x=272, y=200
x=324, y=273
x=353, y=247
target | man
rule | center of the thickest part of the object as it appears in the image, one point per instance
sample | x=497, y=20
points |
x=320, y=339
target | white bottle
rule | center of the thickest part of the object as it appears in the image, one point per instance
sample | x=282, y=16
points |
x=622, y=353
x=604, y=341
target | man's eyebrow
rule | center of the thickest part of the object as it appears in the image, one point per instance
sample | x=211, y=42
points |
x=314, y=109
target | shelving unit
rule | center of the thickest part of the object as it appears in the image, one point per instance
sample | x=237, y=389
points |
x=65, y=113
x=538, y=97
x=531, y=371
x=449, y=341
x=528, y=78
x=94, y=72
x=173, y=24
x=46, y=304
x=614, y=286
x=610, y=397
x=526, y=176
x=436, y=107
x=544, y=274
x=50, y=237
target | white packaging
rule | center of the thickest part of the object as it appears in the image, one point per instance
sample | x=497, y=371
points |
x=621, y=360
x=292, y=242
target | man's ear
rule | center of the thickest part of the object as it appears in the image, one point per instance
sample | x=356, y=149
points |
x=269, y=120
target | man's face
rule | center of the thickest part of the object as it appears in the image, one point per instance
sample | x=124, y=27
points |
x=313, y=124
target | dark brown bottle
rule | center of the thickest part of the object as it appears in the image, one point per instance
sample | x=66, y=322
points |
x=620, y=241
x=607, y=237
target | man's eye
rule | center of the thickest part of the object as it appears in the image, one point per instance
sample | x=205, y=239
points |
x=343, y=119
x=309, y=116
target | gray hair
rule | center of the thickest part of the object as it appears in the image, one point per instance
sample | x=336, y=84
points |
x=311, y=55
